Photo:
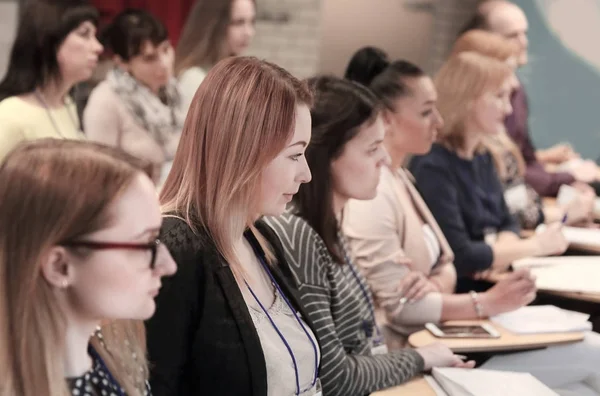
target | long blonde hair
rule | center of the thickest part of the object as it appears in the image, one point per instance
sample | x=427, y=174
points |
x=52, y=191
x=240, y=118
x=463, y=79
x=497, y=47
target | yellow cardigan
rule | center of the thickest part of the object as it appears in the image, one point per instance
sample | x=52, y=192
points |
x=21, y=121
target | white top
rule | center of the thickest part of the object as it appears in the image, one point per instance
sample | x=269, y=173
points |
x=188, y=83
x=281, y=377
x=432, y=243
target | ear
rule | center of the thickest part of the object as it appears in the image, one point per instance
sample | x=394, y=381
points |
x=386, y=116
x=120, y=63
x=388, y=122
x=56, y=268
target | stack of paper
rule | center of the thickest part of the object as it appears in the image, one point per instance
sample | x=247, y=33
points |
x=578, y=274
x=543, y=319
x=582, y=236
x=467, y=382
x=581, y=278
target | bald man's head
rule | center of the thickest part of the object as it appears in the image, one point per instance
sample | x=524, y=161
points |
x=507, y=19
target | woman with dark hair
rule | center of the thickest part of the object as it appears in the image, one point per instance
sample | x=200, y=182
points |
x=366, y=63
x=55, y=48
x=137, y=107
x=346, y=155
x=213, y=31
x=395, y=239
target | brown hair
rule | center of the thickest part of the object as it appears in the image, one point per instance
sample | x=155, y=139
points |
x=51, y=191
x=240, y=119
x=341, y=108
x=460, y=81
x=497, y=47
x=203, y=38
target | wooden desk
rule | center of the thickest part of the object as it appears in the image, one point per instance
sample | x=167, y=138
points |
x=417, y=387
x=589, y=297
x=507, y=342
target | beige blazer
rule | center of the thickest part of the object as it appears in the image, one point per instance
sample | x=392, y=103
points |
x=387, y=241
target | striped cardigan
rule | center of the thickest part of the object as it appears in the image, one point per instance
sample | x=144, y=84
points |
x=338, y=308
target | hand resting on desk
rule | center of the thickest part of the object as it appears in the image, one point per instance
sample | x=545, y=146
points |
x=439, y=355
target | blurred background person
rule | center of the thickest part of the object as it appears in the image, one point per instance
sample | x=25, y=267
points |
x=213, y=31
x=54, y=49
x=138, y=107
x=79, y=269
x=521, y=198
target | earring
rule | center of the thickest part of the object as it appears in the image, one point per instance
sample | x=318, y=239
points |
x=65, y=284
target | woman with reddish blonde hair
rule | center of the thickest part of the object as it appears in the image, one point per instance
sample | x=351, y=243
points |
x=521, y=198
x=228, y=323
x=79, y=268
x=457, y=177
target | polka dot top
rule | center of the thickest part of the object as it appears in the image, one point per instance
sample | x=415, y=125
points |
x=97, y=381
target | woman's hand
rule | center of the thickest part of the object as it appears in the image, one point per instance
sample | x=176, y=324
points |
x=512, y=291
x=439, y=355
x=415, y=285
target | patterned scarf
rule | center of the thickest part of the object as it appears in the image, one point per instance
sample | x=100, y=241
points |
x=150, y=112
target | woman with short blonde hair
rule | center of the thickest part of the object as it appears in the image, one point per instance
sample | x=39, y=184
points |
x=72, y=260
x=230, y=323
x=457, y=177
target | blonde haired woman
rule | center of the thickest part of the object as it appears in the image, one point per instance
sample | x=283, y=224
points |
x=71, y=259
x=213, y=31
x=229, y=323
x=521, y=198
x=457, y=178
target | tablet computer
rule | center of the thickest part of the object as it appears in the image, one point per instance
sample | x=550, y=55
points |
x=484, y=330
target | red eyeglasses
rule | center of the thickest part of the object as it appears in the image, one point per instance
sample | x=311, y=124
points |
x=152, y=246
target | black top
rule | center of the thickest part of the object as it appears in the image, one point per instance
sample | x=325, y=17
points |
x=98, y=381
x=467, y=200
x=201, y=340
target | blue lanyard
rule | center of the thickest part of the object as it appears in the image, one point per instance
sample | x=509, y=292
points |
x=266, y=268
x=364, y=292
x=98, y=358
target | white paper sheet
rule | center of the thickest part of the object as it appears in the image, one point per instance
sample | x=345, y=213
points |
x=543, y=319
x=582, y=277
x=466, y=382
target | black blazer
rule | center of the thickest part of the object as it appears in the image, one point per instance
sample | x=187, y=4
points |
x=201, y=340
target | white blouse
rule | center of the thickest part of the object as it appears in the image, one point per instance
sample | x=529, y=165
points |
x=281, y=377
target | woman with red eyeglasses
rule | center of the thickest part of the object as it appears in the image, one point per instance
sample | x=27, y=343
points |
x=80, y=265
